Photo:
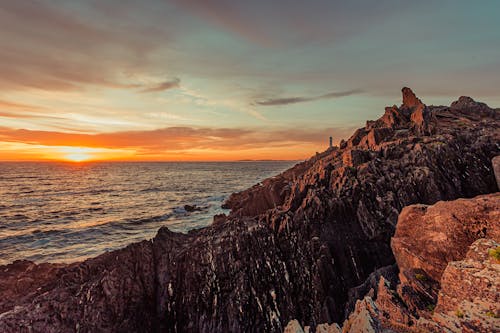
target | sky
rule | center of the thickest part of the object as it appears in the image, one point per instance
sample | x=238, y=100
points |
x=213, y=80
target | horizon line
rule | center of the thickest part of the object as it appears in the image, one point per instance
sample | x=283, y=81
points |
x=147, y=161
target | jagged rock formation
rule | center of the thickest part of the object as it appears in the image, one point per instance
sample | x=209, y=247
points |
x=292, y=247
x=452, y=247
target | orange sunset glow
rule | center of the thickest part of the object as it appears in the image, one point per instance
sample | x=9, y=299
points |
x=171, y=144
x=196, y=81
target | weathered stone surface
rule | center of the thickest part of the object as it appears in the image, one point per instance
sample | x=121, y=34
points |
x=377, y=136
x=469, y=293
x=393, y=312
x=110, y=293
x=371, y=286
x=469, y=104
x=293, y=327
x=469, y=300
x=364, y=318
x=393, y=118
x=410, y=100
x=355, y=157
x=291, y=247
x=23, y=280
x=427, y=238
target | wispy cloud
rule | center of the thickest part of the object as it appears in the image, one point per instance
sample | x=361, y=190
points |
x=302, y=99
x=16, y=106
x=175, y=83
x=177, y=138
x=23, y=111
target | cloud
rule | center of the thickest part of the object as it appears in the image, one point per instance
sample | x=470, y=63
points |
x=178, y=138
x=175, y=83
x=17, y=106
x=23, y=111
x=272, y=24
x=64, y=47
x=294, y=100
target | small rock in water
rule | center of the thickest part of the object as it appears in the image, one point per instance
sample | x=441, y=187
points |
x=192, y=208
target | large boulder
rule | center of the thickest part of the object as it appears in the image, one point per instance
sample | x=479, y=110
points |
x=427, y=238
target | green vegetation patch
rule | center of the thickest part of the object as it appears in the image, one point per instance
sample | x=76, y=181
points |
x=492, y=314
x=495, y=253
x=420, y=277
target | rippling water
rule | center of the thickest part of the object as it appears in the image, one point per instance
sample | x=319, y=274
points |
x=63, y=212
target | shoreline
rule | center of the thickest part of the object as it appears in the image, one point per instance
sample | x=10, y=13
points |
x=292, y=247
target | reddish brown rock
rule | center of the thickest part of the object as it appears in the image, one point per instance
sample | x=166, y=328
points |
x=364, y=318
x=465, y=103
x=356, y=138
x=355, y=157
x=469, y=300
x=410, y=100
x=377, y=135
x=427, y=238
x=394, y=118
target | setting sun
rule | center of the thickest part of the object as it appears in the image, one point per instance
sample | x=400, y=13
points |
x=77, y=154
x=77, y=157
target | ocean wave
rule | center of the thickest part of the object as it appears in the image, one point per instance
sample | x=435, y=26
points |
x=109, y=205
x=157, y=218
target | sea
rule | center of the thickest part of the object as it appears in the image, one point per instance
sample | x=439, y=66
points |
x=66, y=212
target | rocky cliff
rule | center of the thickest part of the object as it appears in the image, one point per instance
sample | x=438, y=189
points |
x=292, y=246
x=448, y=256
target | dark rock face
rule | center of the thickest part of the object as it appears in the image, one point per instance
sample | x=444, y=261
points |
x=21, y=281
x=370, y=286
x=291, y=247
x=455, y=242
x=114, y=292
x=496, y=169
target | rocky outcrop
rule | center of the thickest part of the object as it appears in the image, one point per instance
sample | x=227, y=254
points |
x=371, y=286
x=291, y=247
x=113, y=292
x=23, y=280
x=467, y=272
x=427, y=238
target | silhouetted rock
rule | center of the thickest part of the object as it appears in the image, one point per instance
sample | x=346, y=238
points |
x=192, y=208
x=291, y=247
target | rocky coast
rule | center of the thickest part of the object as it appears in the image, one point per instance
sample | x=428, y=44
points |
x=369, y=236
